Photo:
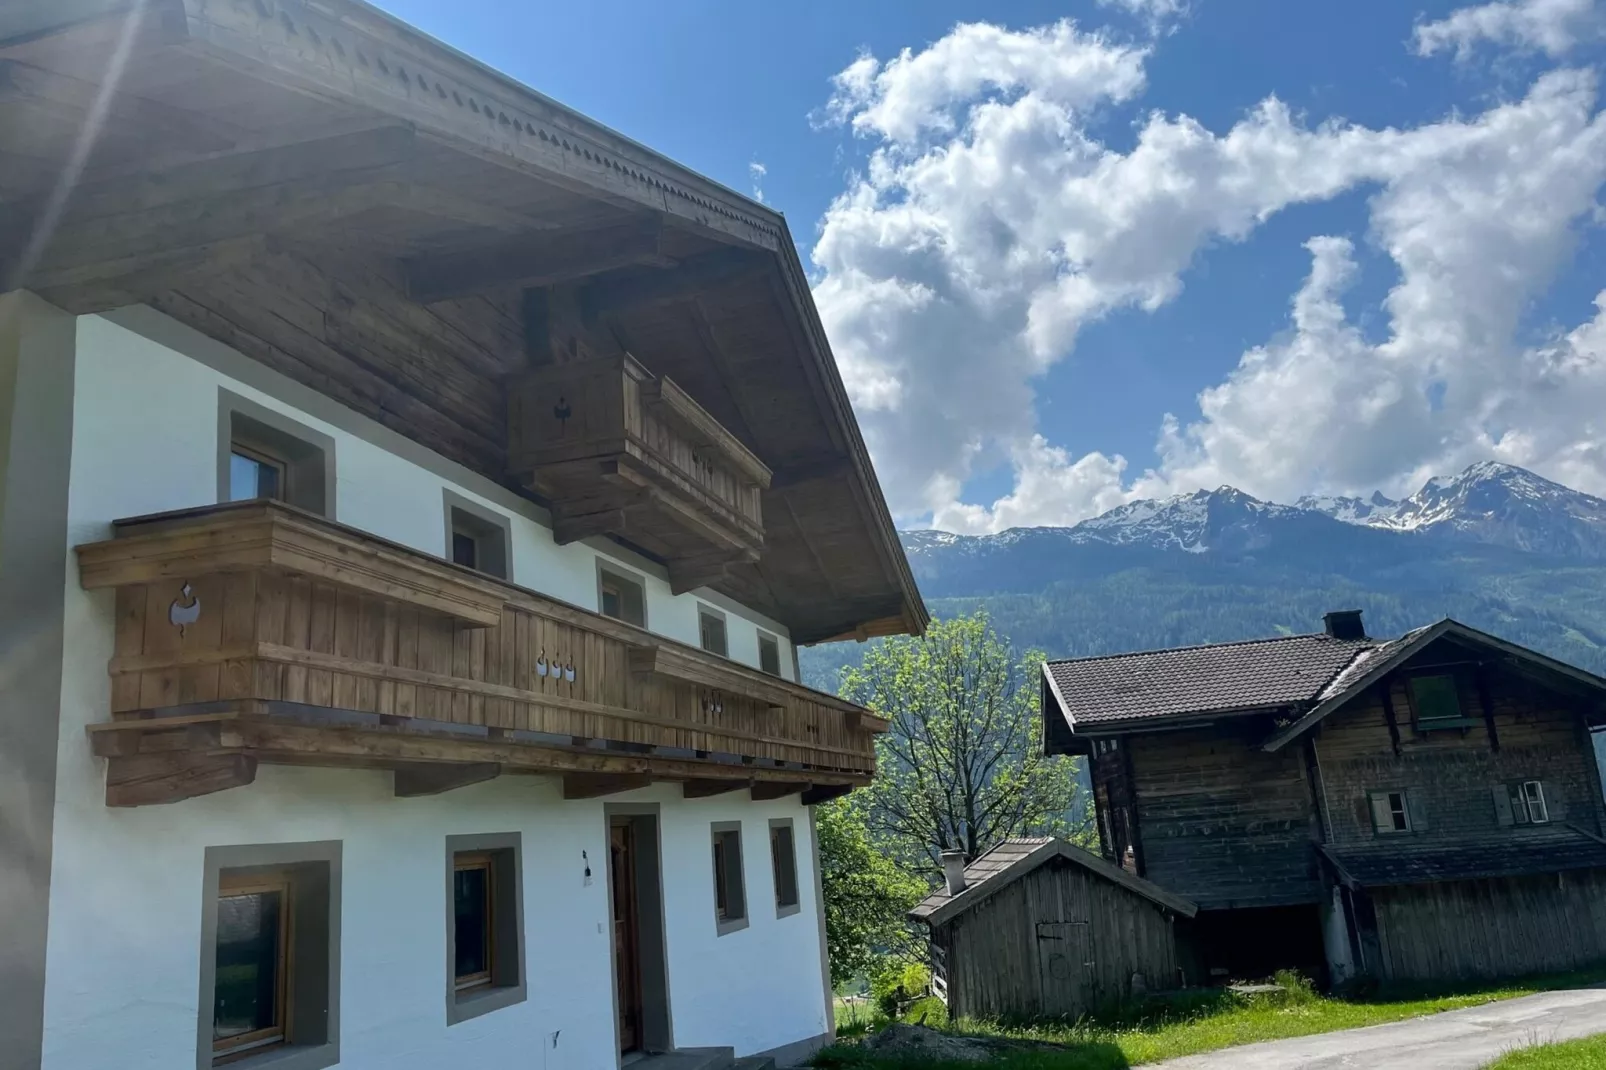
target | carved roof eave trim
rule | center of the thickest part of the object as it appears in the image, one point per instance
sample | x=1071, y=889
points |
x=359, y=54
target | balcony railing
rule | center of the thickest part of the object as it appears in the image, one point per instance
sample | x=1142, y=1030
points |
x=255, y=632
x=620, y=452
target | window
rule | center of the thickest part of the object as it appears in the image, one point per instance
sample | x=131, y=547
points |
x=1533, y=797
x=1522, y=803
x=263, y=454
x=476, y=538
x=485, y=958
x=769, y=654
x=1390, y=813
x=711, y=625
x=730, y=897
x=270, y=957
x=783, y=856
x=1435, y=701
x=621, y=597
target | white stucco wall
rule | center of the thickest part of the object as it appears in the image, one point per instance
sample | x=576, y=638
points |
x=126, y=912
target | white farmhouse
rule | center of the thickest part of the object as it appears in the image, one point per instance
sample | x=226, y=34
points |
x=412, y=497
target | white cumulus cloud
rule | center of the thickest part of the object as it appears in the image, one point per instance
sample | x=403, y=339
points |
x=991, y=222
x=1550, y=26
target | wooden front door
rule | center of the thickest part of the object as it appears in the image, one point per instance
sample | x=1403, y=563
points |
x=626, y=931
x=1064, y=966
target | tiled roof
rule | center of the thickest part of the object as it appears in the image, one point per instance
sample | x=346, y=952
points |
x=1015, y=858
x=1259, y=674
x=1372, y=867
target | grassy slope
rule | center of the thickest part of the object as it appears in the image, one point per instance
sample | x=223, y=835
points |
x=1206, y=1021
x=1587, y=1054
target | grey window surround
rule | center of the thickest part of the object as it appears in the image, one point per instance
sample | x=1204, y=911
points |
x=606, y=571
x=315, y=920
x=492, y=532
x=708, y=612
x=735, y=873
x=509, y=982
x=786, y=910
x=309, y=455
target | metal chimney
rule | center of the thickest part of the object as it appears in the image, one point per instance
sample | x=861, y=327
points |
x=953, y=868
x=1344, y=624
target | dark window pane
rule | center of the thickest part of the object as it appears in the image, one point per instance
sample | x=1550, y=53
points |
x=465, y=551
x=785, y=865
x=611, y=606
x=246, y=989
x=721, y=894
x=713, y=634
x=769, y=656
x=1435, y=698
x=473, y=922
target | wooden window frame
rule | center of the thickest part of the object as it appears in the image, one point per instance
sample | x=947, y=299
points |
x=486, y=860
x=249, y=450
x=774, y=642
x=730, y=878
x=784, y=908
x=1435, y=724
x=709, y=613
x=1372, y=798
x=230, y=885
x=608, y=575
x=1528, y=801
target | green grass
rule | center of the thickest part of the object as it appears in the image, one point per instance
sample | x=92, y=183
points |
x=1196, y=1021
x=1586, y=1054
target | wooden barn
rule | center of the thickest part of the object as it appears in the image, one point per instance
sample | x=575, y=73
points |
x=1037, y=927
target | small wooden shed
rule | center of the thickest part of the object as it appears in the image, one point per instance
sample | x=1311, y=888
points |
x=1039, y=927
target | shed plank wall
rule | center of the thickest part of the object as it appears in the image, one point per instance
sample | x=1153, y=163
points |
x=1221, y=821
x=993, y=949
x=1466, y=930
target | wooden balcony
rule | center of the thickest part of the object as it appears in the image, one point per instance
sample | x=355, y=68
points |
x=620, y=452
x=254, y=632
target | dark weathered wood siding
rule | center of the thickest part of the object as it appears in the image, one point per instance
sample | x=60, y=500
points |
x=1449, y=774
x=1221, y=821
x=1059, y=941
x=1463, y=930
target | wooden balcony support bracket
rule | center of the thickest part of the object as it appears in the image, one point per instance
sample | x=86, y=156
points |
x=705, y=570
x=703, y=789
x=596, y=785
x=414, y=779
x=776, y=789
x=821, y=793
x=167, y=777
x=271, y=536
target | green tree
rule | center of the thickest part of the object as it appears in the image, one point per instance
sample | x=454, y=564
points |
x=961, y=766
x=866, y=893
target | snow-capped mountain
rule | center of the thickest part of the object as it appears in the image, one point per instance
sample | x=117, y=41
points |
x=1491, y=503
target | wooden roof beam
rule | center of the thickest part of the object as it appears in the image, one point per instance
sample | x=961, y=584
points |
x=690, y=277
x=536, y=260
x=73, y=99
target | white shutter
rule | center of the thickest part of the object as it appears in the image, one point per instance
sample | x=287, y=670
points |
x=1502, y=806
x=1382, y=815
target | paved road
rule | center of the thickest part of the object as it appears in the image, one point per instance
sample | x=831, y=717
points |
x=1455, y=1040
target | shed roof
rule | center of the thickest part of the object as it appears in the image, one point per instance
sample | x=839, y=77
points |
x=1376, y=867
x=1013, y=859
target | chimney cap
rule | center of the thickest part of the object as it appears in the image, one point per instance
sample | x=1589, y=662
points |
x=1344, y=624
x=953, y=870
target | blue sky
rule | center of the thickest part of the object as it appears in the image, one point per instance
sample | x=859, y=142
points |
x=1029, y=287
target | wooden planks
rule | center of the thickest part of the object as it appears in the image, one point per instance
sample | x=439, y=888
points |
x=415, y=779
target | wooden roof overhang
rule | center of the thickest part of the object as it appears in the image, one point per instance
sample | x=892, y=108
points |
x=255, y=632
x=379, y=217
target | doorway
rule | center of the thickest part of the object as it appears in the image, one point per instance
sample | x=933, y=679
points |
x=641, y=986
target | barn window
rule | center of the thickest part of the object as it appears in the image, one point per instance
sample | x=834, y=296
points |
x=1533, y=794
x=1521, y=803
x=1435, y=702
x=1390, y=813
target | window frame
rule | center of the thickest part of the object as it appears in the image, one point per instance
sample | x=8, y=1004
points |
x=310, y=936
x=707, y=613
x=610, y=574
x=470, y=860
x=1385, y=794
x=235, y=882
x=774, y=642
x=785, y=909
x=1432, y=724
x=1528, y=801
x=491, y=531
x=507, y=983
x=305, y=457
x=724, y=866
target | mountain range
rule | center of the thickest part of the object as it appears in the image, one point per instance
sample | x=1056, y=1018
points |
x=1496, y=547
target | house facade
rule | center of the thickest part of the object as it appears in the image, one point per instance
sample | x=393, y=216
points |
x=1426, y=807
x=412, y=496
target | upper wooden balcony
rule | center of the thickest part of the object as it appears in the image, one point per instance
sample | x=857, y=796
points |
x=618, y=451
x=255, y=632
